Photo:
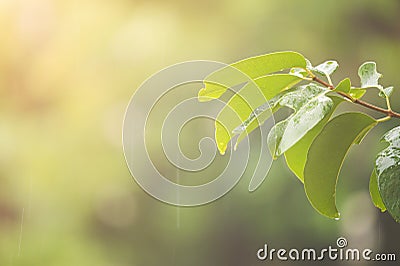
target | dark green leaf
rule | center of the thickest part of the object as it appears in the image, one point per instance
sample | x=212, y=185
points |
x=326, y=156
x=387, y=167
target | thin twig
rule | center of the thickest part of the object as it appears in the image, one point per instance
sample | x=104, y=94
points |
x=389, y=112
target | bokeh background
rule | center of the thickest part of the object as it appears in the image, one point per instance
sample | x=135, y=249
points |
x=67, y=72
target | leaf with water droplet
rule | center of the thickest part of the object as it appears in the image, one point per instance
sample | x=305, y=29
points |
x=311, y=105
x=326, y=156
x=387, y=166
x=241, y=106
x=296, y=156
x=275, y=136
x=368, y=74
x=326, y=68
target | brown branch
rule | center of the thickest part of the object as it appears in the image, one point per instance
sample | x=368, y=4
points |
x=357, y=101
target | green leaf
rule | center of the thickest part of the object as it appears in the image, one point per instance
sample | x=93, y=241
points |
x=254, y=67
x=274, y=84
x=369, y=75
x=311, y=106
x=326, y=156
x=300, y=72
x=363, y=134
x=296, y=156
x=357, y=93
x=256, y=119
x=235, y=112
x=387, y=167
x=271, y=86
x=344, y=86
x=242, y=104
x=386, y=92
x=374, y=192
x=326, y=68
x=212, y=91
x=275, y=136
x=303, y=121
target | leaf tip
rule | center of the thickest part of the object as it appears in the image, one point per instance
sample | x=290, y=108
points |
x=222, y=148
x=201, y=96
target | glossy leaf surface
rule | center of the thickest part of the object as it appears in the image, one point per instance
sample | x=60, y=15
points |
x=296, y=156
x=387, y=168
x=311, y=105
x=369, y=75
x=240, y=107
x=326, y=68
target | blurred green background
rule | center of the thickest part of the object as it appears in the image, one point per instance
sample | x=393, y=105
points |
x=67, y=72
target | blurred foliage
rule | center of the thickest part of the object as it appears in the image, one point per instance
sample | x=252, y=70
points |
x=67, y=72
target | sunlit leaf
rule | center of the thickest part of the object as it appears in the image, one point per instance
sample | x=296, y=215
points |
x=387, y=167
x=303, y=121
x=254, y=67
x=242, y=104
x=326, y=68
x=296, y=156
x=374, y=192
x=326, y=156
x=311, y=106
x=300, y=72
x=369, y=75
x=270, y=86
x=275, y=136
x=256, y=118
x=238, y=108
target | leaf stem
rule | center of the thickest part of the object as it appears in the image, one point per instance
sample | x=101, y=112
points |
x=388, y=102
x=383, y=119
x=388, y=112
